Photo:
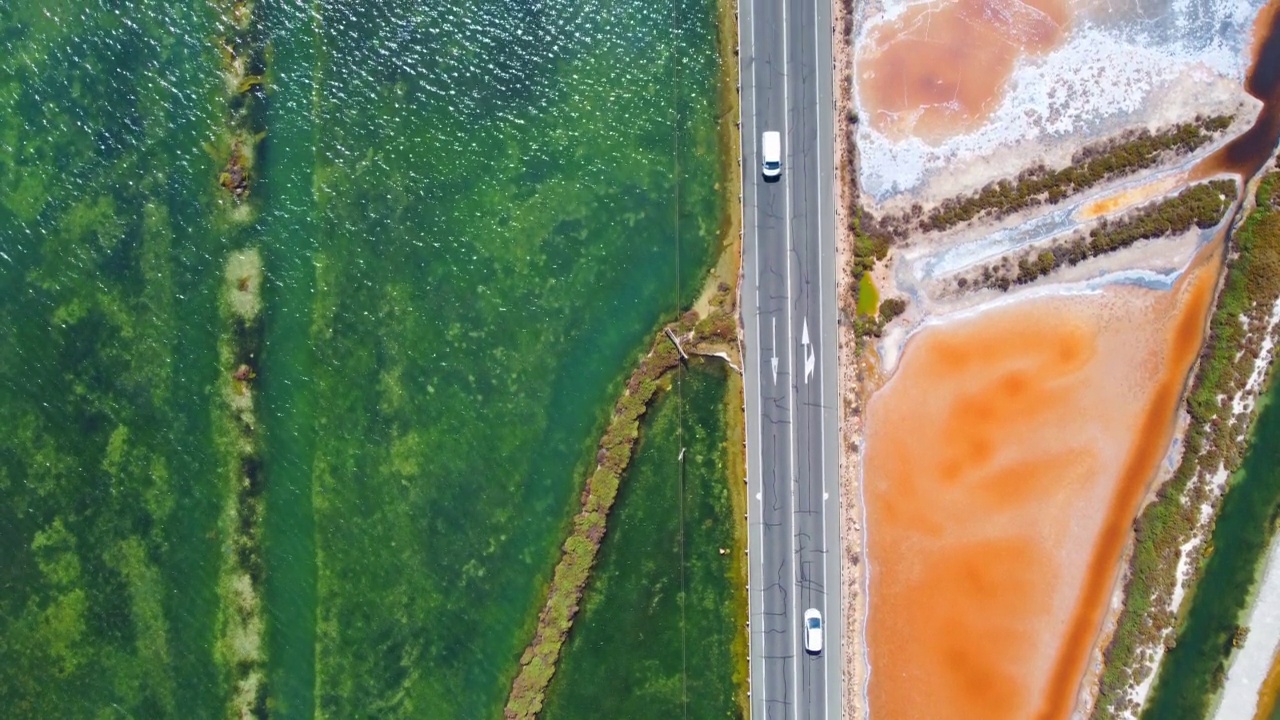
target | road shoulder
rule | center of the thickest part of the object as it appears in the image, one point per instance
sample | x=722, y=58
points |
x=851, y=375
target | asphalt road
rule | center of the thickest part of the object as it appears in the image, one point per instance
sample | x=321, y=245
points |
x=789, y=314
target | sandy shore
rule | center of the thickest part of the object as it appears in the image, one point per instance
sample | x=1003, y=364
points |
x=1251, y=663
x=853, y=373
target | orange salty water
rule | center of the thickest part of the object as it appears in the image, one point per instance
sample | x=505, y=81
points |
x=1248, y=153
x=1131, y=197
x=1005, y=462
x=1269, y=692
x=940, y=68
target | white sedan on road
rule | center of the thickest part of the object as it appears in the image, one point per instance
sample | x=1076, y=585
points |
x=813, y=631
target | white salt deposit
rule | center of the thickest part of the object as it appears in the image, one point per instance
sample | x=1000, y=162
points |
x=1152, y=66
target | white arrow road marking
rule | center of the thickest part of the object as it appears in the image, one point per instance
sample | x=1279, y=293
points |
x=774, y=360
x=809, y=355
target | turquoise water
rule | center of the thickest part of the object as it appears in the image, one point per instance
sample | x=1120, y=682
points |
x=653, y=638
x=473, y=216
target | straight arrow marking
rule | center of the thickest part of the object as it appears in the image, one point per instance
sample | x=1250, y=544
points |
x=773, y=361
x=810, y=357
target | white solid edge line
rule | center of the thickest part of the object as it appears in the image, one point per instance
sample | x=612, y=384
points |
x=822, y=445
x=791, y=432
x=755, y=240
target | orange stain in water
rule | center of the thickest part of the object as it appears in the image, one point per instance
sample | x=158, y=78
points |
x=939, y=68
x=1005, y=463
x=1132, y=197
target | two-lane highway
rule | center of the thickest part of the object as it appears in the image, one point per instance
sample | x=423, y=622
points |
x=789, y=315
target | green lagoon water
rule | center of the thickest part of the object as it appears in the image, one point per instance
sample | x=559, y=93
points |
x=653, y=639
x=107, y=355
x=1192, y=673
x=473, y=216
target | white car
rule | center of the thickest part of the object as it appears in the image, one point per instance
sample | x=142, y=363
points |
x=771, y=153
x=813, y=631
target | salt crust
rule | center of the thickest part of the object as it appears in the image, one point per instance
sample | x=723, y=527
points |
x=1108, y=76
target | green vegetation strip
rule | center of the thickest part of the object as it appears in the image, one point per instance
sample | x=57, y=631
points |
x=1251, y=290
x=241, y=648
x=1039, y=185
x=240, y=639
x=874, y=236
x=1202, y=206
x=868, y=296
x=578, y=553
x=1194, y=669
x=870, y=245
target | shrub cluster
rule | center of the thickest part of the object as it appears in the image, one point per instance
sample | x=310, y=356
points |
x=1040, y=185
x=874, y=236
x=1212, y=441
x=719, y=328
x=892, y=308
x=1202, y=206
x=868, y=249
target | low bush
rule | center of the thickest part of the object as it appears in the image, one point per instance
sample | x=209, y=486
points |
x=1094, y=164
x=1201, y=206
x=892, y=308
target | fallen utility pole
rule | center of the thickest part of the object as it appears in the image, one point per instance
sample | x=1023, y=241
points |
x=675, y=341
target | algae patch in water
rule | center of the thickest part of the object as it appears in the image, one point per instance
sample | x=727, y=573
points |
x=868, y=296
x=487, y=266
x=457, y=282
x=659, y=633
x=105, y=365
